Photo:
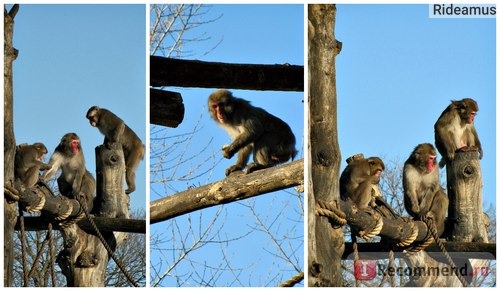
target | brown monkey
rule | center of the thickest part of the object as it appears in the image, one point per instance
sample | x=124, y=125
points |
x=357, y=179
x=423, y=196
x=75, y=181
x=252, y=129
x=28, y=162
x=116, y=131
x=454, y=130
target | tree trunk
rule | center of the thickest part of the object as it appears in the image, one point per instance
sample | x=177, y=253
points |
x=465, y=189
x=10, y=210
x=84, y=258
x=325, y=244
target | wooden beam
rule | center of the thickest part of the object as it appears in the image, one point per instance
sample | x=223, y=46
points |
x=236, y=187
x=33, y=223
x=192, y=73
x=166, y=108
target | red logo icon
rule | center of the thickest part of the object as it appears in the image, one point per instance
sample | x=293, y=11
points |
x=365, y=269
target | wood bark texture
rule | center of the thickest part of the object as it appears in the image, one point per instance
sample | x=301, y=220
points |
x=465, y=191
x=84, y=259
x=325, y=244
x=237, y=186
x=10, y=209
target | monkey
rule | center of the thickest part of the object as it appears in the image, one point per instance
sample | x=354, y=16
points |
x=75, y=181
x=252, y=130
x=357, y=179
x=28, y=162
x=454, y=130
x=115, y=130
x=423, y=196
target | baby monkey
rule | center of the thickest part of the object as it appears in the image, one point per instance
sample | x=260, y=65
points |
x=28, y=162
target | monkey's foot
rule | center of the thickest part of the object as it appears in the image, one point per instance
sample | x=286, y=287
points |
x=130, y=190
x=252, y=167
x=233, y=168
x=467, y=149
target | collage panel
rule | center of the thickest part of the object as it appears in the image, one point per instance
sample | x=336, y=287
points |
x=402, y=135
x=74, y=145
x=225, y=207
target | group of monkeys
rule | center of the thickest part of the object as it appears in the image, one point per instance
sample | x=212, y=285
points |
x=76, y=181
x=271, y=141
x=423, y=196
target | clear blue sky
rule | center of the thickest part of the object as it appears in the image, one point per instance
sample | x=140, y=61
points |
x=255, y=34
x=72, y=57
x=399, y=69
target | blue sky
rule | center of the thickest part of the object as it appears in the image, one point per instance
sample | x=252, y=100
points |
x=72, y=57
x=399, y=69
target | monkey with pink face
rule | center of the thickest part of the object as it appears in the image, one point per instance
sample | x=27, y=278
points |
x=423, y=196
x=253, y=130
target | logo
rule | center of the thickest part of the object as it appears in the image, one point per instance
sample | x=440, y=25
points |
x=365, y=269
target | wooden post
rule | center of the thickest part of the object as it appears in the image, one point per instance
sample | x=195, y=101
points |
x=465, y=189
x=325, y=243
x=10, y=210
x=84, y=261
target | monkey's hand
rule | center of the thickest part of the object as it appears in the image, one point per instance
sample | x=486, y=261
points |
x=227, y=152
x=44, y=167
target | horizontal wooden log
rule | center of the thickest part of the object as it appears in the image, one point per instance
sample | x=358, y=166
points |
x=166, y=108
x=236, y=187
x=192, y=73
x=394, y=228
x=464, y=250
x=103, y=223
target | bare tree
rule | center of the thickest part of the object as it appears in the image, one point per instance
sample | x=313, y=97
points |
x=174, y=28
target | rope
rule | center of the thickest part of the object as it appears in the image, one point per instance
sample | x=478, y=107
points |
x=294, y=280
x=364, y=234
x=432, y=228
x=51, y=255
x=119, y=263
x=356, y=253
x=331, y=211
x=23, y=249
x=11, y=193
x=38, y=207
x=392, y=263
x=409, y=240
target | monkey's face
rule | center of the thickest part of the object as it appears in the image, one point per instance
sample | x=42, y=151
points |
x=93, y=115
x=220, y=106
x=468, y=109
x=41, y=151
x=71, y=143
x=376, y=166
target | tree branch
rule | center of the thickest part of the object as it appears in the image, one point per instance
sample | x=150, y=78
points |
x=235, y=187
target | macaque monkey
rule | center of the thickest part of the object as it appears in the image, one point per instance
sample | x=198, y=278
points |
x=454, y=130
x=423, y=196
x=357, y=179
x=75, y=181
x=116, y=131
x=252, y=129
x=28, y=162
